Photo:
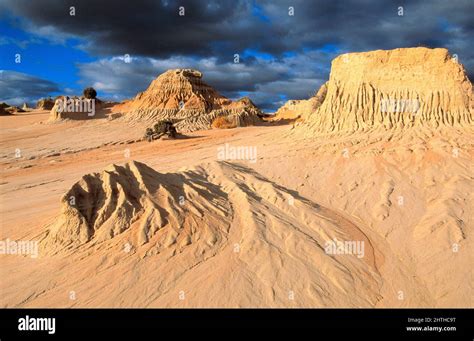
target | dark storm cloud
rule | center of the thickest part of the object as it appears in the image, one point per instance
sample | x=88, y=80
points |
x=17, y=88
x=222, y=28
x=145, y=27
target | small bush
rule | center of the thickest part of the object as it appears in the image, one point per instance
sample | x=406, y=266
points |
x=223, y=122
x=161, y=128
x=90, y=93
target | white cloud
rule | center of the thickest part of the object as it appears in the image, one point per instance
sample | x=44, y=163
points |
x=18, y=88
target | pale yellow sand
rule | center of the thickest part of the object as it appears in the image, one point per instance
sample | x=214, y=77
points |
x=255, y=232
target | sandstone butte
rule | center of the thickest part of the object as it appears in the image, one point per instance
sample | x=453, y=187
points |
x=180, y=96
x=399, y=88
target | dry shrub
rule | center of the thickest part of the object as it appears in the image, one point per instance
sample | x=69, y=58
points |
x=223, y=122
x=90, y=93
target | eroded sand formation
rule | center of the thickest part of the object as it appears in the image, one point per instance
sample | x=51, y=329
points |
x=3, y=111
x=134, y=196
x=6, y=109
x=227, y=215
x=77, y=108
x=45, y=104
x=182, y=97
x=395, y=89
x=301, y=109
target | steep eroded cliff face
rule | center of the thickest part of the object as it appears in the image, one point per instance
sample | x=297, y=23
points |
x=397, y=88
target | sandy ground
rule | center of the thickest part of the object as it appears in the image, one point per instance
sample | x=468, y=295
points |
x=408, y=195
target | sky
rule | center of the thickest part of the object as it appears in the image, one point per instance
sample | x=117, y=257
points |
x=284, y=48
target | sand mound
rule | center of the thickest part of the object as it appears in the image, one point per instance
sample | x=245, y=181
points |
x=45, y=104
x=254, y=241
x=76, y=108
x=6, y=109
x=103, y=205
x=182, y=97
x=397, y=88
x=295, y=109
x=3, y=107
